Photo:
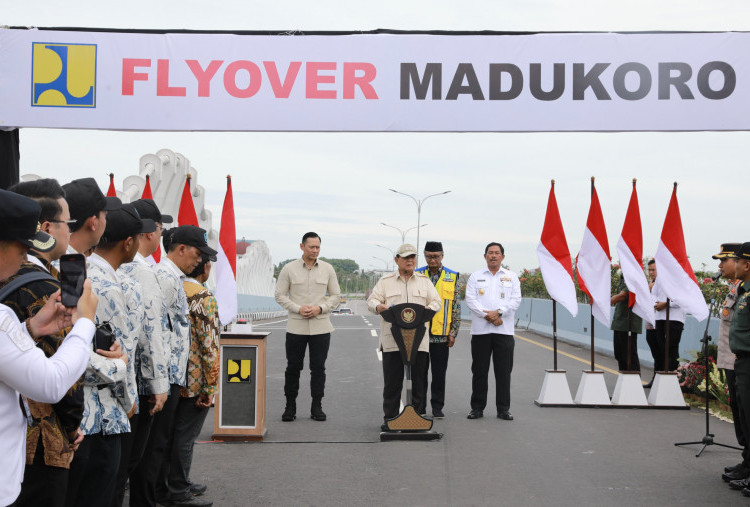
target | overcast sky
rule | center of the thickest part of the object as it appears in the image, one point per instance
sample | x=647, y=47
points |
x=337, y=184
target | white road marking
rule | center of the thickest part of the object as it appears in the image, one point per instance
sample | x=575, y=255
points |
x=269, y=323
x=373, y=332
x=380, y=354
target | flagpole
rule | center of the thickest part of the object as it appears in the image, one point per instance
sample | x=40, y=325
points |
x=591, y=302
x=630, y=312
x=554, y=333
x=666, y=324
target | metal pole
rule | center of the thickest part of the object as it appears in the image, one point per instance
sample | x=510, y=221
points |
x=554, y=333
x=666, y=340
x=419, y=203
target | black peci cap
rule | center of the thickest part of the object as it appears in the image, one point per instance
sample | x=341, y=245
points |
x=433, y=246
x=19, y=221
x=728, y=250
x=85, y=199
x=125, y=222
x=192, y=236
x=148, y=209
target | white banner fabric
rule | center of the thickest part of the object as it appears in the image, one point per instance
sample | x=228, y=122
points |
x=375, y=82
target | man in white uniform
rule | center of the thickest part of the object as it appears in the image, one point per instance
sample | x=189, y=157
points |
x=493, y=295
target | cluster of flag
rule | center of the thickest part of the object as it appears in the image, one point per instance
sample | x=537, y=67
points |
x=225, y=268
x=676, y=277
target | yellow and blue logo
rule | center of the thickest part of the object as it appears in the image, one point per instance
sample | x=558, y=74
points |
x=238, y=370
x=63, y=75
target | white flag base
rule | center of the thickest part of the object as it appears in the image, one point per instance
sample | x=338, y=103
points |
x=592, y=391
x=629, y=390
x=555, y=391
x=666, y=391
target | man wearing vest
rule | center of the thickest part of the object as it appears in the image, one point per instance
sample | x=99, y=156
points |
x=444, y=326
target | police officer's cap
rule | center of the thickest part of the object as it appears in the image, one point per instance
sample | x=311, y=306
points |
x=85, y=199
x=19, y=221
x=743, y=252
x=728, y=251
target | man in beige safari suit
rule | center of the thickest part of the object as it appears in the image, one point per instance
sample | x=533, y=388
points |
x=308, y=289
x=403, y=286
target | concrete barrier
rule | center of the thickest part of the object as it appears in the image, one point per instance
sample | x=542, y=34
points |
x=536, y=315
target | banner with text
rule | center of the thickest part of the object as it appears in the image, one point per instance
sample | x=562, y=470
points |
x=375, y=82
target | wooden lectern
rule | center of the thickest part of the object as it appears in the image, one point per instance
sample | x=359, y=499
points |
x=240, y=403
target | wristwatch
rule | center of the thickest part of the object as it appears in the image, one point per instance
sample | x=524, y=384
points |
x=499, y=312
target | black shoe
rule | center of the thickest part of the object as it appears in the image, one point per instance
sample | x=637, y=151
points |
x=290, y=412
x=746, y=492
x=191, y=500
x=649, y=385
x=506, y=416
x=739, y=485
x=475, y=414
x=197, y=489
x=732, y=468
x=384, y=427
x=437, y=413
x=736, y=475
x=316, y=412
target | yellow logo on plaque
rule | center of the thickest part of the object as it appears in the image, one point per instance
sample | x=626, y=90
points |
x=408, y=315
x=238, y=371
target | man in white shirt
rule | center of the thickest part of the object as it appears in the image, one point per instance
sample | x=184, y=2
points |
x=52, y=377
x=493, y=295
x=676, y=324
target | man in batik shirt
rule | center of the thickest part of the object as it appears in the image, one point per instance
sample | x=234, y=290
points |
x=197, y=395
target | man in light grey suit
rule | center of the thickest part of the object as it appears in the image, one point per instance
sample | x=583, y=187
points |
x=309, y=290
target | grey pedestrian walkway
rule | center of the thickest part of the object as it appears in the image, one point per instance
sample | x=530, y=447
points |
x=560, y=456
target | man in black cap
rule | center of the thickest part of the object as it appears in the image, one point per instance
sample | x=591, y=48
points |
x=110, y=390
x=152, y=349
x=739, y=344
x=725, y=359
x=184, y=248
x=19, y=231
x=444, y=326
x=88, y=207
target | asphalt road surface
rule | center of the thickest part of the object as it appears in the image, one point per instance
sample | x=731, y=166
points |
x=546, y=456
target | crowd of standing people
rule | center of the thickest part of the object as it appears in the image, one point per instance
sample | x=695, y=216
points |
x=93, y=422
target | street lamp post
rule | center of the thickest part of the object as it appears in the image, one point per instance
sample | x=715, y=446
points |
x=383, y=261
x=419, y=203
x=404, y=233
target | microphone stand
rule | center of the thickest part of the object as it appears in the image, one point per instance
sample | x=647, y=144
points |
x=708, y=438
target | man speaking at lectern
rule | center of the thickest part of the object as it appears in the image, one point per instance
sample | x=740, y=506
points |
x=402, y=286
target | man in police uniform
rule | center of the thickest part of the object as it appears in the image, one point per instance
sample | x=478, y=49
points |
x=402, y=286
x=444, y=326
x=625, y=324
x=739, y=337
x=725, y=360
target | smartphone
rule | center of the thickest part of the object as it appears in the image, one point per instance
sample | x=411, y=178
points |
x=72, y=276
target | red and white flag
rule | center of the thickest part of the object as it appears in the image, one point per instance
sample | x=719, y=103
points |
x=593, y=262
x=630, y=252
x=226, y=261
x=111, y=192
x=186, y=214
x=155, y=257
x=676, y=276
x=554, y=258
